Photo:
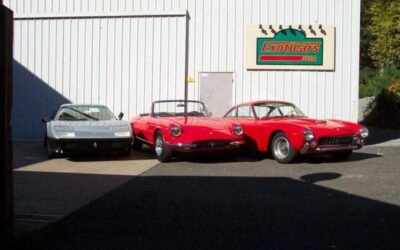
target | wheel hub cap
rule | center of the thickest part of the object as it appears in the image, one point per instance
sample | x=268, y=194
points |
x=281, y=148
x=159, y=145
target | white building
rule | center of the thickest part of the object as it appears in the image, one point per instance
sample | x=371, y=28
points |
x=127, y=53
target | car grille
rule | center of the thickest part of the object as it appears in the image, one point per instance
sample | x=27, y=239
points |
x=79, y=146
x=212, y=143
x=335, y=140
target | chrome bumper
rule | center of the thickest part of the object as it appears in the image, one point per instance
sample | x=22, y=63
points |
x=308, y=148
x=71, y=146
x=192, y=146
x=336, y=147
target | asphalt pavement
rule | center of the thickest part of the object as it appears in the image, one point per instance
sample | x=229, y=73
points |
x=213, y=202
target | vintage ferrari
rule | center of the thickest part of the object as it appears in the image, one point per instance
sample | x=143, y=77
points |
x=86, y=129
x=184, y=126
x=283, y=130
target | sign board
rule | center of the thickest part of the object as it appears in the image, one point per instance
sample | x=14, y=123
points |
x=301, y=47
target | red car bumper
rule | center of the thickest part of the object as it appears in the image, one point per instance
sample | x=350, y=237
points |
x=314, y=147
x=206, y=146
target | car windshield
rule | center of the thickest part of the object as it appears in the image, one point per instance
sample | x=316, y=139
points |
x=268, y=110
x=84, y=113
x=177, y=108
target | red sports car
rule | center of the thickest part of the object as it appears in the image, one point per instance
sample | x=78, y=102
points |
x=283, y=130
x=184, y=126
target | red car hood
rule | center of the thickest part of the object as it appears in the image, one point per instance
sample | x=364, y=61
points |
x=205, y=123
x=322, y=127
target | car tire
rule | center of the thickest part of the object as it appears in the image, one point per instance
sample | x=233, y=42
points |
x=281, y=149
x=163, y=153
x=137, y=144
x=50, y=152
x=343, y=155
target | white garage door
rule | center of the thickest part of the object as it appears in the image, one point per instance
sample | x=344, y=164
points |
x=124, y=61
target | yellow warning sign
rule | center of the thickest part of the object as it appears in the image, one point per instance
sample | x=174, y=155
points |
x=190, y=79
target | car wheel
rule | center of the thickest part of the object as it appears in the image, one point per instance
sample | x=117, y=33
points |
x=125, y=152
x=343, y=155
x=282, y=149
x=50, y=152
x=162, y=152
x=137, y=144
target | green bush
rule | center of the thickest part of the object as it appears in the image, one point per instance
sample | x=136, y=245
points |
x=373, y=82
x=366, y=74
x=385, y=110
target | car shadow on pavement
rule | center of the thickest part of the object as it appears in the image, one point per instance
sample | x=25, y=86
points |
x=355, y=156
x=380, y=135
x=245, y=156
x=184, y=212
x=220, y=157
x=32, y=152
x=145, y=154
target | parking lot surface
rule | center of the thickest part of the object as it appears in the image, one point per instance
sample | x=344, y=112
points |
x=235, y=202
x=47, y=190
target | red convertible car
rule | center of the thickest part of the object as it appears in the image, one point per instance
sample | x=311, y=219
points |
x=184, y=126
x=283, y=130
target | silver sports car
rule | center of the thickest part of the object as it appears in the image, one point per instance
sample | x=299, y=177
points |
x=86, y=129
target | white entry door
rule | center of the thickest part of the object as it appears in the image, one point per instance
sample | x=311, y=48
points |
x=216, y=91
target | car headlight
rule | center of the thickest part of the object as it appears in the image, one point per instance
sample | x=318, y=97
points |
x=237, y=130
x=122, y=134
x=175, y=130
x=308, y=134
x=66, y=134
x=364, y=132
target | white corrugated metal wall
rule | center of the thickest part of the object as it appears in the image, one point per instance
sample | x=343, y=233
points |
x=216, y=44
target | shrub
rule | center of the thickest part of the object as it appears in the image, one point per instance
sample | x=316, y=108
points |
x=366, y=74
x=394, y=88
x=385, y=109
x=378, y=81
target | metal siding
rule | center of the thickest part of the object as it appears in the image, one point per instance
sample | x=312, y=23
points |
x=198, y=33
x=239, y=58
x=206, y=39
x=339, y=57
x=255, y=76
x=92, y=60
x=109, y=61
x=192, y=53
x=354, y=57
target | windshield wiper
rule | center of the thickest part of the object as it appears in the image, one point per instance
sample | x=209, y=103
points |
x=84, y=114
